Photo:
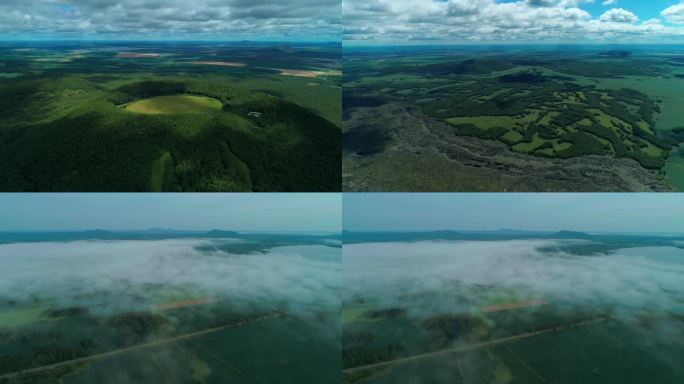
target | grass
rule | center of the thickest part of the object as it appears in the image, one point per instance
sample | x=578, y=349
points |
x=167, y=294
x=651, y=149
x=532, y=115
x=21, y=316
x=607, y=120
x=546, y=120
x=159, y=167
x=352, y=315
x=582, y=123
x=355, y=313
x=557, y=147
x=529, y=147
x=512, y=137
x=174, y=104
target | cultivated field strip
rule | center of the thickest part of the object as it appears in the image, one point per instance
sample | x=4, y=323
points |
x=153, y=344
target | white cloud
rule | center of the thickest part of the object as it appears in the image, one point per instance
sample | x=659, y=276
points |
x=619, y=15
x=609, y=2
x=171, y=18
x=467, y=7
x=652, y=22
x=492, y=21
x=674, y=14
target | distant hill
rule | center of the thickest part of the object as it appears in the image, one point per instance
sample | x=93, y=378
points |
x=572, y=234
x=511, y=231
x=221, y=233
x=97, y=234
x=162, y=230
x=166, y=231
x=446, y=232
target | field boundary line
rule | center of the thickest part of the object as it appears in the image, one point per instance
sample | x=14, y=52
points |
x=465, y=348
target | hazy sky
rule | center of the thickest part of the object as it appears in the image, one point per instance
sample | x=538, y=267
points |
x=635, y=212
x=236, y=211
x=504, y=21
x=177, y=19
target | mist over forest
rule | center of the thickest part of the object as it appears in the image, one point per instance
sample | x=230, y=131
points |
x=70, y=272
x=430, y=272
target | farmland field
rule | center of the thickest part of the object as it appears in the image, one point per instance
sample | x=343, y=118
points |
x=98, y=116
x=169, y=307
x=517, y=118
x=510, y=307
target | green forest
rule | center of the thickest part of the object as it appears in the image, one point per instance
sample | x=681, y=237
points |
x=531, y=106
x=66, y=130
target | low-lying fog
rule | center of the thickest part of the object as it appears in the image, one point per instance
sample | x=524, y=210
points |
x=118, y=275
x=439, y=276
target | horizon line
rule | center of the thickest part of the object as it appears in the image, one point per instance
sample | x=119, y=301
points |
x=498, y=43
x=538, y=231
x=159, y=229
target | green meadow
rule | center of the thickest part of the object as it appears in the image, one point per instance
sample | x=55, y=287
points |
x=174, y=105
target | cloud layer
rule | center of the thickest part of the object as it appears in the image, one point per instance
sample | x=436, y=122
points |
x=112, y=276
x=435, y=277
x=198, y=19
x=463, y=21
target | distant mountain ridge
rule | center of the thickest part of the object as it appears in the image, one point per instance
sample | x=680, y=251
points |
x=572, y=234
x=162, y=234
x=221, y=233
x=97, y=232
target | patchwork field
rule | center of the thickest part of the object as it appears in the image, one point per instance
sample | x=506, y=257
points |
x=543, y=107
x=504, y=309
x=168, y=117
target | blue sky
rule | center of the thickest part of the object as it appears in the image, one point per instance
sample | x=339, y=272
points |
x=230, y=211
x=645, y=9
x=513, y=21
x=635, y=212
x=171, y=19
